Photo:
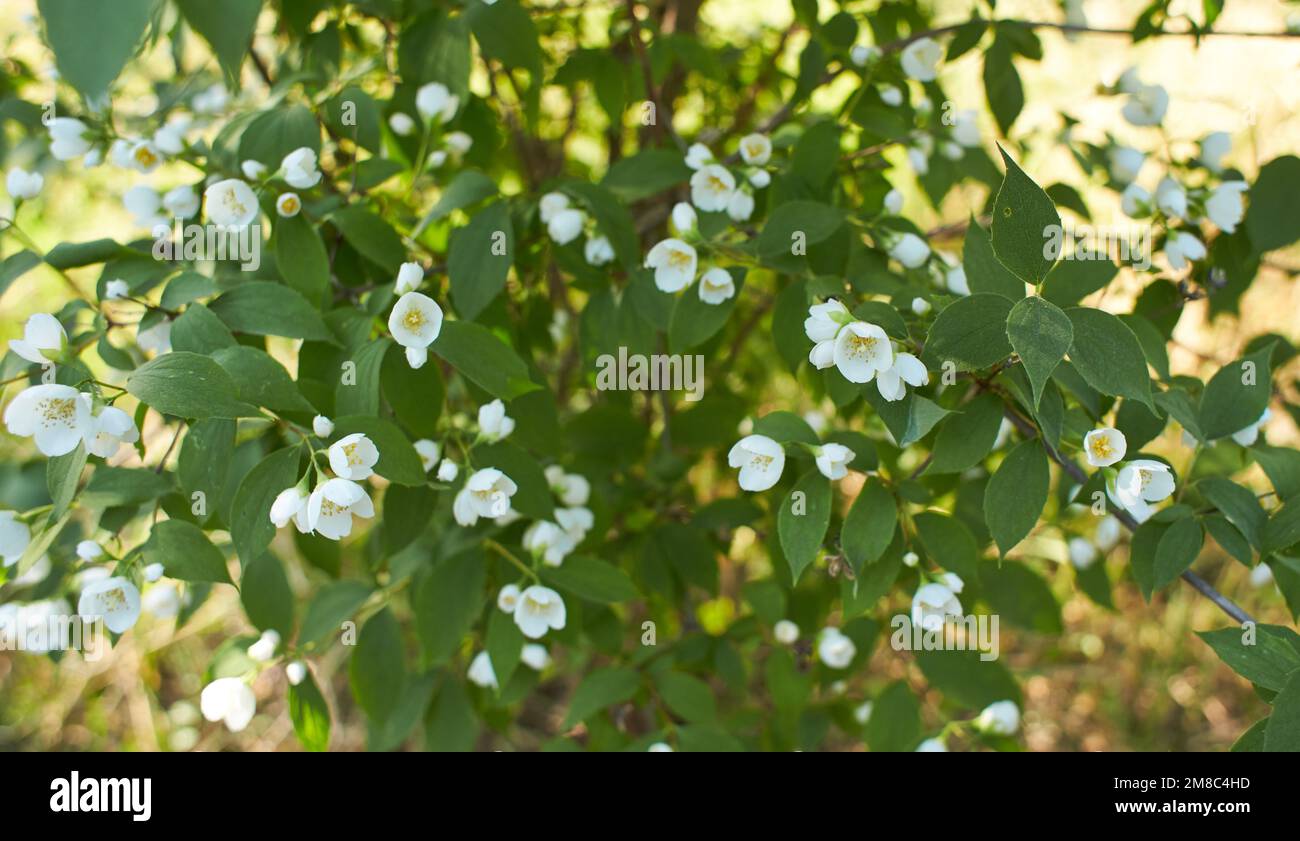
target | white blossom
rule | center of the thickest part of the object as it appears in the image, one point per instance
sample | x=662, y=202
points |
x=740, y=206
x=716, y=286
x=891, y=95
x=1103, y=447
x=1135, y=201
x=230, y=701
x=287, y=205
x=674, y=263
x=932, y=605
x=156, y=338
x=162, y=601
x=458, y=142
x=551, y=204
x=786, y=632
x=1182, y=248
x=548, y=541
x=920, y=306
x=322, y=426
x=54, y=415
x=43, y=339
x=1247, y=436
x=1082, y=553
x=333, y=504
x=508, y=598
x=116, y=290
x=711, y=187
x=15, y=535
x=863, y=54
x=535, y=656
x=493, y=422
x=429, y=453
x=835, y=649
x=291, y=504
x=210, y=100
x=1225, y=206
x=598, y=251
x=401, y=123
x=299, y=168
x=22, y=184
x=1125, y=163
x=1108, y=533
x=115, y=600
x=67, y=138
x=107, y=431
x=152, y=572
x=955, y=280
x=487, y=493
x=353, y=457
x=435, y=100
x=684, y=218
x=1140, y=482
x=571, y=488
x=253, y=170
x=906, y=370
x=1001, y=718
x=296, y=672
x=264, y=649
x=1171, y=198
x=760, y=460
x=415, y=322
x=566, y=225
x=698, y=156
x=231, y=203
x=920, y=59
x=145, y=205
x=447, y=470
x=481, y=672
x=1146, y=106
x=910, y=250
x=966, y=129
x=833, y=460
x=755, y=149
x=1213, y=148
x=181, y=202
x=893, y=202
x=145, y=157
x=760, y=178
x=539, y=609
x=862, y=350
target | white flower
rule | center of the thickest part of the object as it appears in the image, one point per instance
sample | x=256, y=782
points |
x=1247, y=436
x=415, y=322
x=291, y=504
x=825, y=320
x=145, y=157
x=486, y=494
x=1108, y=533
x=906, y=369
x=417, y=356
x=353, y=457
x=116, y=289
x=952, y=581
x=144, y=203
x=576, y=522
x=548, y=541
x=437, y=159
x=230, y=701
x=711, y=187
x=119, y=153
x=698, y=156
x=716, y=286
x=551, y=204
x=1125, y=163
x=401, y=124
x=409, y=278
x=152, y=572
x=1082, y=553
x=296, y=672
x=566, y=225
x=833, y=460
x=674, y=263
x=863, y=54
x=862, y=712
x=106, y=432
x=1171, y=198
x=741, y=206
x=54, y=415
x=1225, y=207
x=41, y=333
x=162, y=601
x=755, y=149
x=67, y=138
x=1146, y=106
x=493, y=422
x=14, y=537
x=1213, y=147
x=22, y=184
x=910, y=250
x=1141, y=481
x=760, y=460
x=920, y=59
x=571, y=488
x=893, y=203
x=955, y=280
x=834, y=649
x=115, y=600
x=1260, y=575
x=932, y=605
x=481, y=672
x=322, y=426
x=181, y=202
x=951, y=151
x=660, y=747
x=965, y=129
x=540, y=608
x=920, y=306
x=299, y=168
x=287, y=205
x=458, y=142
x=911, y=559
x=1103, y=447
x=760, y=178
x=535, y=657
x=447, y=471
x=786, y=632
x=231, y=203
x=41, y=625
x=434, y=100
x=1001, y=718
x=862, y=350
x=598, y=251
x=210, y=100
x=1182, y=248
x=429, y=452
x=891, y=95
x=332, y=505
x=156, y=338
x=684, y=218
x=264, y=649
x=253, y=170
x=508, y=598
x=1135, y=201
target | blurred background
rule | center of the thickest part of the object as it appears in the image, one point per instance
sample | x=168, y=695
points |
x=1132, y=678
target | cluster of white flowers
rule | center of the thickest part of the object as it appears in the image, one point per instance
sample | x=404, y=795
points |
x=535, y=609
x=553, y=541
x=481, y=673
x=935, y=601
x=329, y=508
x=861, y=351
x=1137, y=483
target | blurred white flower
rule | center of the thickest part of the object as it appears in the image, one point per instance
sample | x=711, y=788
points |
x=571, y=488
x=264, y=649
x=447, y=470
x=1225, y=206
x=322, y=426
x=755, y=149
x=299, y=168
x=716, y=286
x=932, y=605
x=1146, y=106
x=1182, y=248
x=43, y=339
x=181, y=202
x=760, y=460
x=1213, y=148
x=231, y=203
x=1082, y=553
x=22, y=184
x=435, y=100
x=741, y=206
x=493, y=422
x=401, y=124
x=698, y=155
x=1171, y=198
x=684, y=218
x=115, y=600
x=287, y=205
x=711, y=187
x=230, y=701
x=1125, y=163
x=910, y=250
x=920, y=59
x=116, y=289
x=833, y=460
x=535, y=657
x=296, y=672
x=162, y=601
x=15, y=535
x=1001, y=718
x=539, y=609
x=835, y=649
x=429, y=453
x=67, y=138
x=598, y=251
x=253, y=170
x=566, y=225
x=893, y=202
x=786, y=632
x=508, y=598
x=1135, y=201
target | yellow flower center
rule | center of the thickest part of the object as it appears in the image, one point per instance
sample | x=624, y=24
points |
x=718, y=184
x=861, y=346
x=113, y=599
x=1101, y=447
x=290, y=205
x=414, y=319
x=329, y=509
x=145, y=156
x=678, y=260
x=57, y=410
x=354, y=458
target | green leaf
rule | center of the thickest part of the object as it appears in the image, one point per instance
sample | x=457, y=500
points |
x=301, y=258
x=407, y=511
x=600, y=689
x=966, y=678
x=1267, y=658
x=187, y=385
x=62, y=474
x=310, y=715
x=971, y=331
x=267, y=598
x=113, y=486
x=204, y=462
x=185, y=553
x=199, y=330
x=1002, y=86
x=895, y=723
x=469, y=187
x=359, y=395
x=92, y=41
x=786, y=428
x=478, y=259
x=377, y=670
x=1178, y=547
x=505, y=32
x=398, y=460
x=1240, y=506
x=949, y=543
x=484, y=359
x=1073, y=280
x=1108, y=356
x=869, y=525
x=334, y=604
x=1283, y=731
x=1236, y=395
x=251, y=528
x=646, y=173
x=504, y=643
x=371, y=236
x=1016, y=494
x=1282, y=529
x=262, y=380
x=687, y=696
x=415, y=394
x=447, y=602
x=271, y=309
x=1273, y=218
x=591, y=579
x=694, y=322
x=910, y=419
x=1023, y=219
x=1041, y=334
x=803, y=519
x=967, y=436
x=276, y=132
x=227, y=27
x=1020, y=596
x=794, y=223
x=984, y=271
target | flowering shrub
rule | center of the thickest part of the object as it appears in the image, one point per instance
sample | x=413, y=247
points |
x=536, y=356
